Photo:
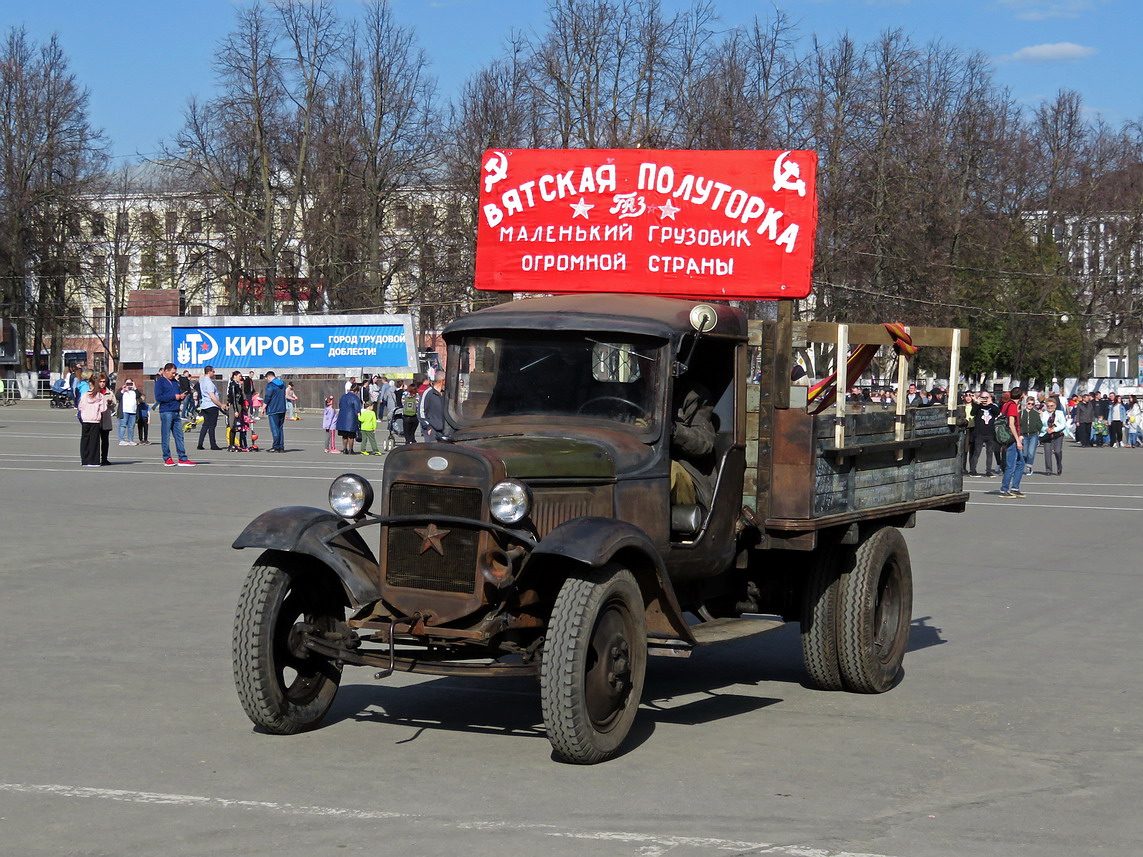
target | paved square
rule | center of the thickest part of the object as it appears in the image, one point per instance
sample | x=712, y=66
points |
x=1016, y=731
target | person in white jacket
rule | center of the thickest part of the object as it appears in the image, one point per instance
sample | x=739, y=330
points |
x=1055, y=423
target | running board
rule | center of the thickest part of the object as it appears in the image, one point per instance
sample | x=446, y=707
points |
x=712, y=632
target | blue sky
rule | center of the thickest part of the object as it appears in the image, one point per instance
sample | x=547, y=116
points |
x=142, y=59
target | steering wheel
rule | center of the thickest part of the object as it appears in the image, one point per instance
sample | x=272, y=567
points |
x=636, y=410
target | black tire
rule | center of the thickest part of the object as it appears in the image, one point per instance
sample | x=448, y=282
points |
x=283, y=690
x=594, y=663
x=876, y=601
x=819, y=622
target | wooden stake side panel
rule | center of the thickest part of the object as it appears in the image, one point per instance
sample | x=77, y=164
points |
x=759, y=420
x=807, y=482
x=794, y=467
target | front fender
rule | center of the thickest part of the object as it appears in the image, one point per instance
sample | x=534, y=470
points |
x=302, y=529
x=595, y=541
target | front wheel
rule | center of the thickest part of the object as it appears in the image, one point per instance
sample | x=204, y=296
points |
x=283, y=687
x=594, y=663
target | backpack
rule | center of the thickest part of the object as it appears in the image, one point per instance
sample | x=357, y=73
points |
x=1003, y=433
x=409, y=405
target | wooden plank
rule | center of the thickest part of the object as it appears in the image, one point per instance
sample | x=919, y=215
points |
x=783, y=353
x=841, y=384
x=876, y=334
x=753, y=398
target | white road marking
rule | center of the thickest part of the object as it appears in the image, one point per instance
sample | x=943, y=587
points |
x=157, y=461
x=1026, y=505
x=651, y=845
x=1040, y=493
x=123, y=469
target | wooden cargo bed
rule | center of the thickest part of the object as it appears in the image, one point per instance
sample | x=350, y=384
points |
x=851, y=463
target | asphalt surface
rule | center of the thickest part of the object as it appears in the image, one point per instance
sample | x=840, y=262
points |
x=1016, y=730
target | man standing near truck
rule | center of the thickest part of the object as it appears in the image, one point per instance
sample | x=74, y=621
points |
x=1084, y=416
x=983, y=416
x=275, y=397
x=169, y=397
x=211, y=407
x=1014, y=449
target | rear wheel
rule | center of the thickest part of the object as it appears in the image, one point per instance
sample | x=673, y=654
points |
x=594, y=663
x=876, y=603
x=820, y=610
x=283, y=687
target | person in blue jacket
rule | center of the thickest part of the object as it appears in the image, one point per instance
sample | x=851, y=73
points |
x=170, y=397
x=275, y=400
x=347, y=423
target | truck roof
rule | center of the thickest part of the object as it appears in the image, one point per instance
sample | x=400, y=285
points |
x=636, y=314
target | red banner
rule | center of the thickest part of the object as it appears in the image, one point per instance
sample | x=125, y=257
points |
x=700, y=224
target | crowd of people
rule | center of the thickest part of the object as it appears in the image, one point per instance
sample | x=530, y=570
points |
x=380, y=401
x=184, y=402
x=1010, y=431
x=1003, y=434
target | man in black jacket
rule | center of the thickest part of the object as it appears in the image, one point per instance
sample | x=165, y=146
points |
x=433, y=407
x=984, y=415
x=1084, y=416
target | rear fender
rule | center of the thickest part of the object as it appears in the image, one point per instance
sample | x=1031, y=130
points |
x=303, y=530
x=595, y=541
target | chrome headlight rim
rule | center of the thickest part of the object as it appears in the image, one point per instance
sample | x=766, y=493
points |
x=510, y=501
x=350, y=495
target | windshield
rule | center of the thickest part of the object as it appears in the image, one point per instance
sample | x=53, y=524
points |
x=609, y=376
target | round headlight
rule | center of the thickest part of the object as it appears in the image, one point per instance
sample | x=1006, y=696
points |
x=509, y=501
x=350, y=495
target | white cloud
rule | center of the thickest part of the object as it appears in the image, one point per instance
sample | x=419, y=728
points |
x=1056, y=52
x=1040, y=10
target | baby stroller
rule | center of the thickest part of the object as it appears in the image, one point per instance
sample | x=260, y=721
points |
x=60, y=395
x=396, y=425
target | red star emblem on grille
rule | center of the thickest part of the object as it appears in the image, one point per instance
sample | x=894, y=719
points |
x=432, y=538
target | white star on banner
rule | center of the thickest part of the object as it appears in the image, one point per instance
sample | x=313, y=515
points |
x=668, y=210
x=581, y=208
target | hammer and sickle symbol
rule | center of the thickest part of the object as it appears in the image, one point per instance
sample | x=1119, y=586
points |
x=786, y=175
x=497, y=169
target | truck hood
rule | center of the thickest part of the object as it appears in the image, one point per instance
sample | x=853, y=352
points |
x=528, y=457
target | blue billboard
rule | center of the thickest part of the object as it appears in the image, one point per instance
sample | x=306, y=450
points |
x=333, y=346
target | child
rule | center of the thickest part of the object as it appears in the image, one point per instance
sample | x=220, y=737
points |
x=239, y=420
x=255, y=407
x=247, y=425
x=368, y=420
x=143, y=419
x=291, y=403
x=1099, y=431
x=329, y=424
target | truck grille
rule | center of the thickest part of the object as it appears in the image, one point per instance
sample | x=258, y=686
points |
x=407, y=565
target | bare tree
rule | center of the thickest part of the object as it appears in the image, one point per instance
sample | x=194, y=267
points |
x=50, y=156
x=380, y=140
x=251, y=147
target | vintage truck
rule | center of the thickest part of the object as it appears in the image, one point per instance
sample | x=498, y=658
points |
x=541, y=539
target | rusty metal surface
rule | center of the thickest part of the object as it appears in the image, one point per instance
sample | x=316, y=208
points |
x=537, y=457
x=945, y=502
x=632, y=314
x=423, y=665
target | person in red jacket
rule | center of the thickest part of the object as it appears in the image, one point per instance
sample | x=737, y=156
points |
x=1014, y=449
